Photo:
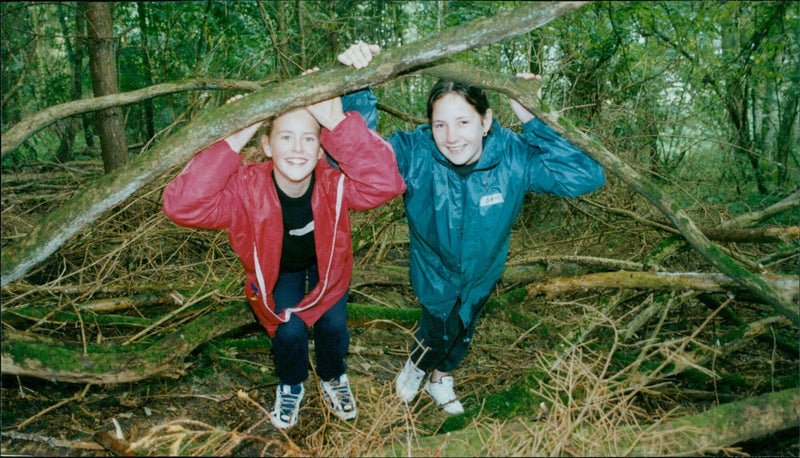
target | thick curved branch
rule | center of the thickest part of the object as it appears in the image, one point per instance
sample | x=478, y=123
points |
x=26, y=128
x=45, y=359
x=704, y=432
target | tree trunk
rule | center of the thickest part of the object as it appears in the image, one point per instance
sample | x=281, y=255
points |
x=75, y=59
x=141, y=8
x=102, y=58
x=20, y=256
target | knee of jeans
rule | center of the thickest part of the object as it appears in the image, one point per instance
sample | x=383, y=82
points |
x=291, y=332
x=332, y=325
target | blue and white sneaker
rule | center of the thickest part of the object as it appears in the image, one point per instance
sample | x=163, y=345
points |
x=337, y=395
x=287, y=405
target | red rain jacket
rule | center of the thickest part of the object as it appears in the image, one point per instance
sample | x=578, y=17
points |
x=215, y=191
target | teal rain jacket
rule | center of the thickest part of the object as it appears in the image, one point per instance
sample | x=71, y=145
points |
x=460, y=228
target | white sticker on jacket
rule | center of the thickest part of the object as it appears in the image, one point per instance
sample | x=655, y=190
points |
x=303, y=230
x=492, y=199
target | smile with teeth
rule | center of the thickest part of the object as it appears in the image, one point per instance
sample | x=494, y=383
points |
x=296, y=161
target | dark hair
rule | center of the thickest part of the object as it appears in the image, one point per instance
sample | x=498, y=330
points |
x=473, y=95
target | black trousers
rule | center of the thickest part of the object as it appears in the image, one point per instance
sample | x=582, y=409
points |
x=441, y=344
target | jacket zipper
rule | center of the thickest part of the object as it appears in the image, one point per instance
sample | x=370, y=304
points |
x=260, y=275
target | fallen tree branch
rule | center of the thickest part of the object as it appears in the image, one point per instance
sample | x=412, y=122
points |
x=605, y=263
x=24, y=354
x=754, y=235
x=724, y=232
x=786, y=285
x=52, y=441
x=115, y=365
x=788, y=203
x=24, y=129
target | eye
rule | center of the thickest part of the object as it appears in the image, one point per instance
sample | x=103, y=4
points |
x=310, y=139
x=438, y=125
x=464, y=122
x=285, y=138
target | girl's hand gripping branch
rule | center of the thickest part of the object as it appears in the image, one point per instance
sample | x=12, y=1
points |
x=522, y=113
x=329, y=112
x=359, y=55
x=238, y=139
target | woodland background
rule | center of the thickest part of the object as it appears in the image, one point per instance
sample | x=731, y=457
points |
x=614, y=330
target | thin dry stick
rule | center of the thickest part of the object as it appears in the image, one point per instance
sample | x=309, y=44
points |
x=80, y=320
x=524, y=334
x=168, y=316
x=76, y=397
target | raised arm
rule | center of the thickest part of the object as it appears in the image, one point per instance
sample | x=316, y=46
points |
x=367, y=161
x=555, y=166
x=198, y=196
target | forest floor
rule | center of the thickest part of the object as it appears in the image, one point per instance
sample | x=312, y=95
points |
x=220, y=405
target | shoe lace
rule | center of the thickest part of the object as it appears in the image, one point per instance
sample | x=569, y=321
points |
x=341, y=394
x=288, y=403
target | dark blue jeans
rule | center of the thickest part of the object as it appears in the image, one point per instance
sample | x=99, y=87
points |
x=290, y=344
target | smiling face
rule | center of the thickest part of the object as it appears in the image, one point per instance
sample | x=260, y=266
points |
x=458, y=128
x=293, y=144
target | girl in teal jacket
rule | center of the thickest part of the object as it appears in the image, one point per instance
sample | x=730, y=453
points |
x=466, y=177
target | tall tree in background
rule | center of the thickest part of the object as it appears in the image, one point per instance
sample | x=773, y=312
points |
x=141, y=7
x=75, y=49
x=110, y=125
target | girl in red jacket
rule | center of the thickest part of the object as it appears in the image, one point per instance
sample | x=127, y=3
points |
x=288, y=221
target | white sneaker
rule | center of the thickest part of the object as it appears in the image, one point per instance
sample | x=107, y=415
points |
x=339, y=398
x=442, y=392
x=287, y=406
x=407, y=383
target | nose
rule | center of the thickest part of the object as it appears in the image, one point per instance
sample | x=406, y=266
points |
x=450, y=135
x=297, y=145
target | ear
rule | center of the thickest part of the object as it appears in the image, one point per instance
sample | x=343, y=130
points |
x=487, y=120
x=320, y=153
x=264, y=140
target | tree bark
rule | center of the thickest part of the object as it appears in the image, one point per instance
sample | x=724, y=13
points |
x=23, y=254
x=754, y=235
x=102, y=60
x=75, y=60
x=51, y=361
x=524, y=91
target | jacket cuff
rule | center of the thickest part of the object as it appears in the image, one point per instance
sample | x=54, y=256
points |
x=352, y=121
x=541, y=130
